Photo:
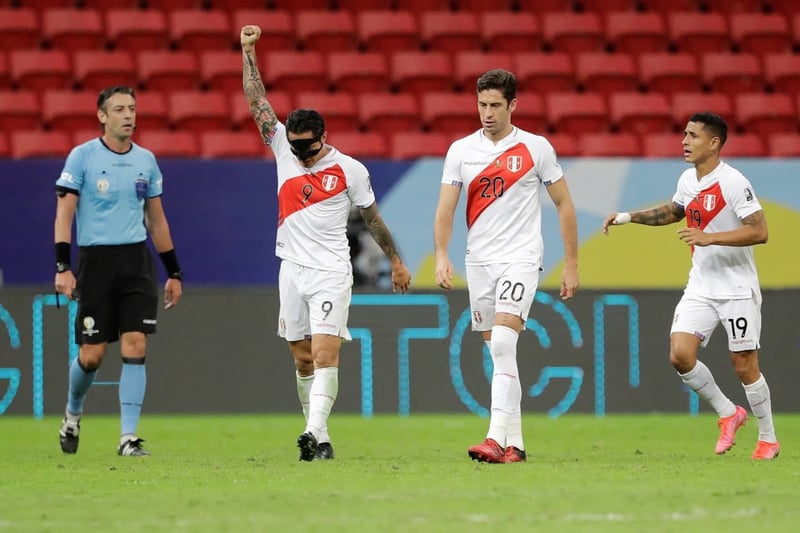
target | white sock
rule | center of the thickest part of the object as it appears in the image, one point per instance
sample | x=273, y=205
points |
x=303, y=391
x=514, y=429
x=321, y=399
x=700, y=380
x=761, y=404
x=506, y=389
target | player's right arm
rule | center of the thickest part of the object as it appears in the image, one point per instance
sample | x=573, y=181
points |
x=254, y=89
x=443, y=231
x=656, y=216
x=65, y=212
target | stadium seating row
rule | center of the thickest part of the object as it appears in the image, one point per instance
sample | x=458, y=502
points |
x=401, y=145
x=384, y=31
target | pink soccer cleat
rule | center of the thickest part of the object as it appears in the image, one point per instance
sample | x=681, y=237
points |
x=514, y=455
x=766, y=450
x=487, y=451
x=727, y=430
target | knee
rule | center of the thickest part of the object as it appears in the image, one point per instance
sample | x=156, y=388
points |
x=91, y=356
x=745, y=364
x=305, y=366
x=682, y=360
x=504, y=341
x=326, y=358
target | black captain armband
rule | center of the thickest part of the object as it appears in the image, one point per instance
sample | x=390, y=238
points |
x=170, y=260
x=63, y=256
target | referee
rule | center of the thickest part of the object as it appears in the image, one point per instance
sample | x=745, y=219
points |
x=114, y=187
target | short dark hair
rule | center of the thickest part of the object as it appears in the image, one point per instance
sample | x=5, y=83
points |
x=715, y=124
x=502, y=80
x=108, y=92
x=303, y=120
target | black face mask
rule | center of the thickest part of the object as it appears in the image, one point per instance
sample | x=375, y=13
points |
x=302, y=150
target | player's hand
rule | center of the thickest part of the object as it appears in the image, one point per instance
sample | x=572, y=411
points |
x=608, y=221
x=249, y=35
x=444, y=273
x=65, y=283
x=172, y=293
x=570, y=282
x=401, y=277
x=694, y=236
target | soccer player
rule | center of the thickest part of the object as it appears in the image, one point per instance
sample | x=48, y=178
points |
x=114, y=186
x=502, y=169
x=724, y=221
x=317, y=185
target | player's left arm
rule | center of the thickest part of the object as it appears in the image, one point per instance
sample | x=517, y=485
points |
x=559, y=193
x=401, y=277
x=156, y=221
x=752, y=231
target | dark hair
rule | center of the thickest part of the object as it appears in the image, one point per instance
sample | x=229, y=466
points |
x=715, y=124
x=108, y=92
x=502, y=80
x=303, y=120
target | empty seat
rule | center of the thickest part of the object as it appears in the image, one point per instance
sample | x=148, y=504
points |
x=326, y=31
x=39, y=70
x=743, y=145
x=421, y=72
x=5, y=72
x=415, y=144
x=282, y=71
x=530, y=113
x=105, y=5
x=565, y=145
x=640, y=113
x=450, y=113
x=545, y=5
x=608, y=5
x=488, y=6
x=95, y=69
x=38, y=143
x=732, y=73
x=784, y=145
x=787, y=7
x=684, y=105
x=198, y=30
x=19, y=29
x=136, y=30
x=573, y=32
x=19, y=110
x=763, y=113
x=782, y=72
x=610, y=145
x=387, y=113
x=387, y=31
x=469, y=66
x=735, y=6
x=172, y=5
x=360, y=145
x=577, y=113
x=5, y=146
x=697, y=33
x=670, y=73
x=221, y=70
x=446, y=31
x=241, y=117
x=632, y=32
x=761, y=33
x=199, y=111
x=69, y=110
x=169, y=143
x=358, y=6
x=231, y=144
x=294, y=5
x=545, y=72
x=662, y=145
x=338, y=109
x=151, y=111
x=85, y=135
x=669, y=6
x=504, y=31
x=358, y=71
x=281, y=34
x=162, y=70
x=73, y=29
x=606, y=73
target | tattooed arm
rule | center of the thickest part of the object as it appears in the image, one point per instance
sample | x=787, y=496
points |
x=657, y=216
x=254, y=89
x=752, y=231
x=401, y=277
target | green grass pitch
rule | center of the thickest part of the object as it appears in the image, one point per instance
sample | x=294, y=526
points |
x=241, y=473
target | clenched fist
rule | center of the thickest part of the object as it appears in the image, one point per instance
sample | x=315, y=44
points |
x=250, y=35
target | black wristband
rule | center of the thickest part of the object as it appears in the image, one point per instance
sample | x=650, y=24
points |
x=63, y=253
x=170, y=260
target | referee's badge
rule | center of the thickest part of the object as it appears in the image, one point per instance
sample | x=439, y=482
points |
x=709, y=202
x=514, y=163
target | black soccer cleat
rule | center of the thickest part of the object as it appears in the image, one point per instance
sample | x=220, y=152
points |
x=308, y=446
x=324, y=451
x=68, y=436
x=133, y=448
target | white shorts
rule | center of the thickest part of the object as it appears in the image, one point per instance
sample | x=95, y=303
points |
x=740, y=318
x=313, y=302
x=500, y=288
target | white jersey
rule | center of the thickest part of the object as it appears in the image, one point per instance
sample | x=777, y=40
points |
x=314, y=203
x=502, y=183
x=718, y=202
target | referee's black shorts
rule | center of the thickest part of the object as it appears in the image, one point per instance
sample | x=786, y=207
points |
x=117, y=292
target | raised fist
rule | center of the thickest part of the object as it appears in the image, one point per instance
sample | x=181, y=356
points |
x=250, y=35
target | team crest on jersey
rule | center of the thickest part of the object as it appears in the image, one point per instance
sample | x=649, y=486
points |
x=329, y=182
x=709, y=202
x=514, y=163
x=476, y=317
x=748, y=194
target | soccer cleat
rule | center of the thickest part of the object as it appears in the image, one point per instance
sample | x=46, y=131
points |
x=308, y=446
x=324, y=451
x=727, y=430
x=514, y=455
x=487, y=451
x=766, y=450
x=132, y=447
x=68, y=435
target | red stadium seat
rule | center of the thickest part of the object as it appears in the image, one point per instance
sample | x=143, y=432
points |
x=634, y=33
x=358, y=71
x=105, y=5
x=199, y=111
x=469, y=66
x=697, y=33
x=669, y=6
x=734, y=6
x=221, y=70
x=326, y=31
x=782, y=72
x=450, y=113
x=135, y=30
x=610, y=145
x=19, y=29
x=69, y=110
x=388, y=113
x=608, y=5
x=162, y=70
x=151, y=111
x=82, y=136
x=504, y=31
x=338, y=109
x=421, y=72
x=231, y=144
x=787, y=7
x=545, y=5
x=415, y=144
x=281, y=103
x=281, y=34
x=564, y=144
x=784, y=145
x=5, y=73
x=640, y=113
x=172, y=5
x=670, y=73
x=743, y=145
x=684, y=105
x=485, y=6
x=73, y=29
x=95, y=70
x=446, y=31
x=545, y=73
x=197, y=30
x=169, y=143
x=5, y=147
x=305, y=5
x=606, y=73
x=530, y=114
x=235, y=5
x=732, y=73
x=763, y=113
x=38, y=143
x=19, y=110
x=360, y=145
x=39, y=70
x=387, y=31
x=40, y=5
x=761, y=33
x=573, y=32
x=281, y=71
x=577, y=113
x=359, y=6
x=662, y=145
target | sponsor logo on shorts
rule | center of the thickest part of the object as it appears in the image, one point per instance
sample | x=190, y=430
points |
x=476, y=317
x=675, y=318
x=282, y=326
x=330, y=327
x=151, y=321
x=88, y=326
x=699, y=335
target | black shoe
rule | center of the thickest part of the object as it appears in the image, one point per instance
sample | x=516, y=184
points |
x=68, y=435
x=308, y=446
x=324, y=451
x=132, y=447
